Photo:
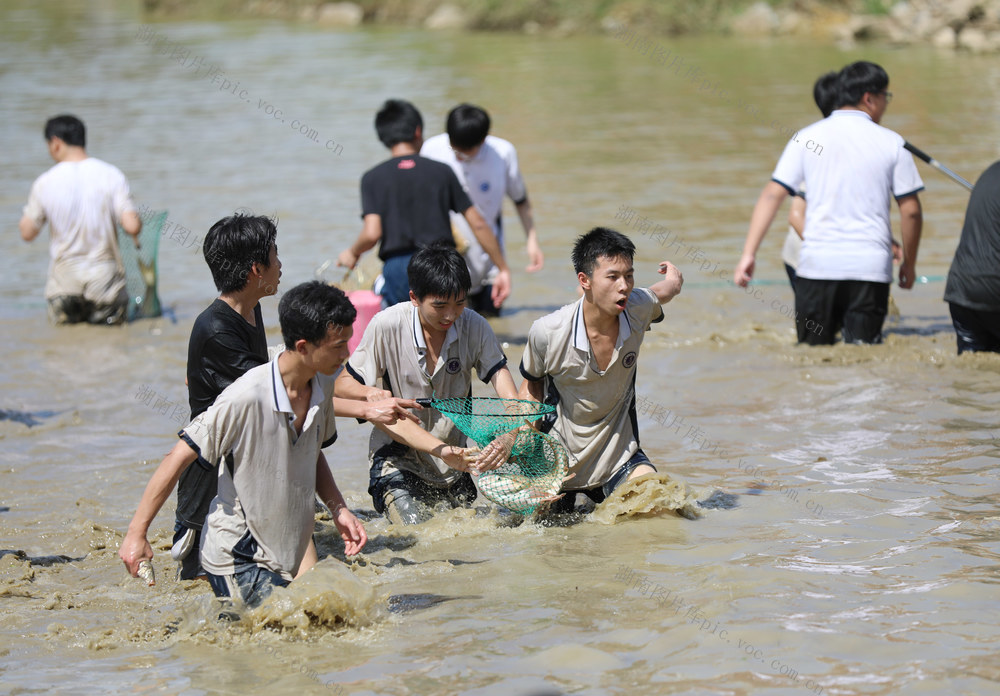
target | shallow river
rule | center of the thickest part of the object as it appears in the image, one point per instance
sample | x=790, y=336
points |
x=862, y=557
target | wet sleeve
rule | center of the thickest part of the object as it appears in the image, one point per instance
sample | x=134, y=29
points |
x=491, y=356
x=122, y=197
x=369, y=200
x=213, y=433
x=515, y=182
x=460, y=201
x=367, y=361
x=906, y=179
x=34, y=210
x=789, y=170
x=644, y=307
x=329, y=434
x=533, y=359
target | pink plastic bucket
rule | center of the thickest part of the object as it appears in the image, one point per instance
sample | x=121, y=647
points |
x=368, y=304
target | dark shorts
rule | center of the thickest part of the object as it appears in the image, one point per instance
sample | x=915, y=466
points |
x=406, y=498
x=252, y=586
x=792, y=277
x=482, y=302
x=598, y=494
x=74, y=309
x=976, y=330
x=189, y=567
x=856, y=308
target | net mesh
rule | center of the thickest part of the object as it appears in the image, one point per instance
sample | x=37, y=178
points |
x=140, y=266
x=537, y=464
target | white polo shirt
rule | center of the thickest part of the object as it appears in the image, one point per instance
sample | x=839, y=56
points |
x=595, y=414
x=487, y=178
x=851, y=181
x=264, y=512
x=393, y=350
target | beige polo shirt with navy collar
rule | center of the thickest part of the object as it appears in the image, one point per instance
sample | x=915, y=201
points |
x=393, y=352
x=595, y=413
x=264, y=511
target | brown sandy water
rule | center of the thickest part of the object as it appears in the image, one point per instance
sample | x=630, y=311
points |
x=862, y=557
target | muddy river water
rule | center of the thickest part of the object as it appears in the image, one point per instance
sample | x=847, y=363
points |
x=862, y=554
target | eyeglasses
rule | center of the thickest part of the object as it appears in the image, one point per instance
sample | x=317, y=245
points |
x=888, y=95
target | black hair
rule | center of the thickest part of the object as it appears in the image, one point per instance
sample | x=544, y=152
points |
x=397, y=122
x=67, y=128
x=826, y=92
x=438, y=270
x=467, y=126
x=860, y=78
x=599, y=242
x=234, y=245
x=310, y=309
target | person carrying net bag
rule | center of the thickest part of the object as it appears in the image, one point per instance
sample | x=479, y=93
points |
x=427, y=348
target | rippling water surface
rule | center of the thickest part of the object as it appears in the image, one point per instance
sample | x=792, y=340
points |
x=862, y=556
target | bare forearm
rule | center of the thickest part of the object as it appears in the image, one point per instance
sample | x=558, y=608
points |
x=532, y=390
x=132, y=223
x=911, y=227
x=161, y=485
x=527, y=218
x=326, y=486
x=346, y=388
x=29, y=230
x=764, y=211
x=487, y=240
x=413, y=436
x=503, y=384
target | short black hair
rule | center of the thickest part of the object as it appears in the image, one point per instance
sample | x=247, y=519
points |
x=860, y=78
x=599, y=242
x=67, y=128
x=826, y=92
x=397, y=122
x=467, y=126
x=310, y=309
x=438, y=270
x=234, y=244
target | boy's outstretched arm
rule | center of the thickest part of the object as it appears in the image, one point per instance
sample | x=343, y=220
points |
x=386, y=411
x=350, y=527
x=371, y=232
x=535, y=257
x=415, y=437
x=488, y=241
x=771, y=198
x=134, y=546
x=670, y=286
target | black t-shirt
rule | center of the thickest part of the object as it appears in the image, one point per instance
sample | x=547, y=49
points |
x=974, y=278
x=412, y=195
x=222, y=347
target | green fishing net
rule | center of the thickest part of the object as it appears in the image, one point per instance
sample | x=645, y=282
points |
x=140, y=266
x=534, y=471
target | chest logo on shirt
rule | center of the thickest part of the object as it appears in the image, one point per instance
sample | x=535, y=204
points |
x=453, y=366
x=484, y=187
x=629, y=360
x=406, y=164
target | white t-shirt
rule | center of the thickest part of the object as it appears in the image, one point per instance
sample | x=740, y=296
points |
x=853, y=169
x=82, y=202
x=487, y=178
x=264, y=512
